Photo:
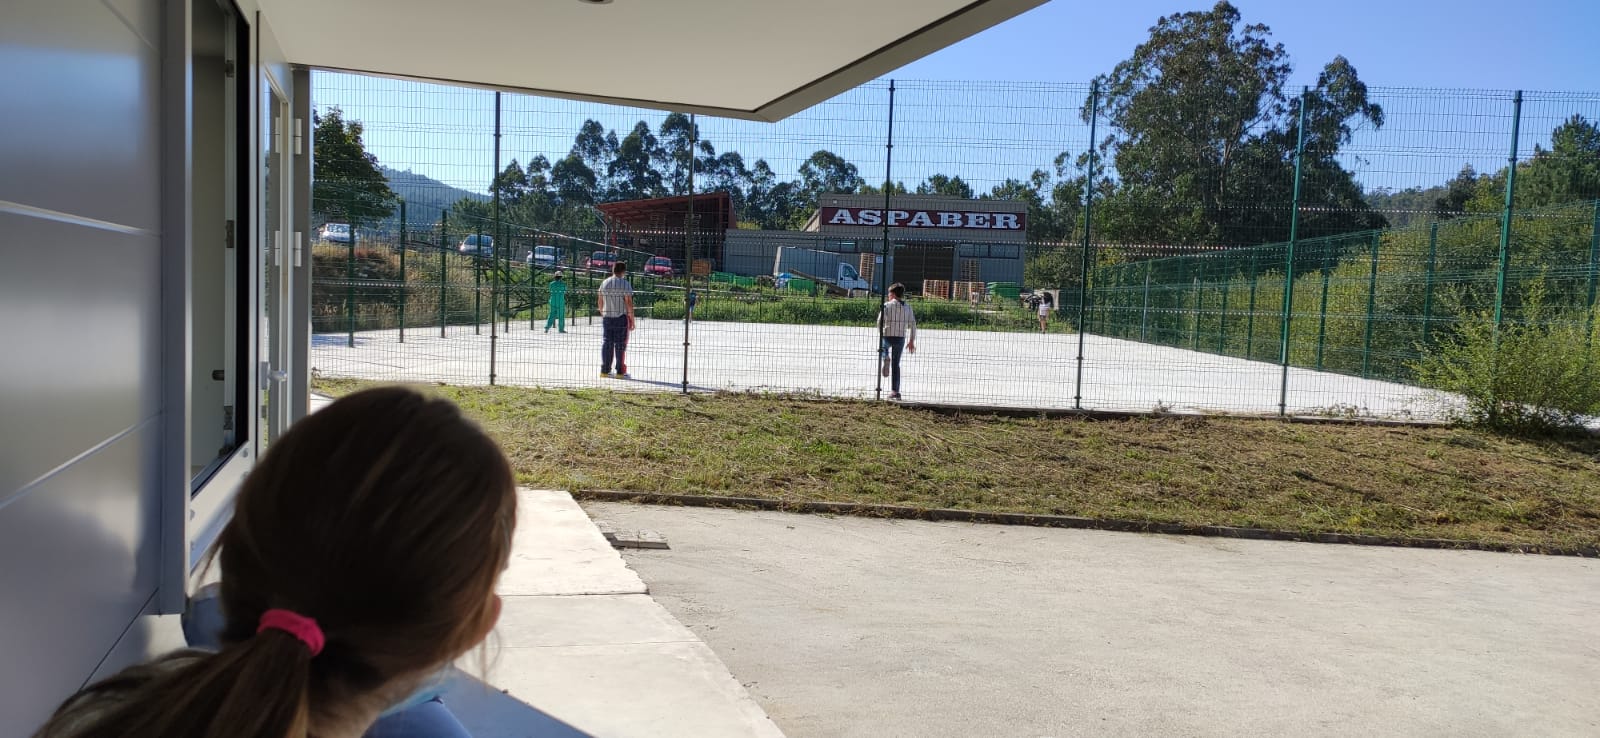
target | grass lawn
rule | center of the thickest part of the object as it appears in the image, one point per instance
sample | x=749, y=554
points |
x=1434, y=482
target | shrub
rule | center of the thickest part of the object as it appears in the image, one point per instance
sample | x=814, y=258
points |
x=1536, y=375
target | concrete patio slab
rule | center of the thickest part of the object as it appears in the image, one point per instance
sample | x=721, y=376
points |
x=558, y=551
x=668, y=690
x=847, y=626
x=544, y=622
x=581, y=649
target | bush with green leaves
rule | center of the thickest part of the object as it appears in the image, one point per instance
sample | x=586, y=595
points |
x=1534, y=375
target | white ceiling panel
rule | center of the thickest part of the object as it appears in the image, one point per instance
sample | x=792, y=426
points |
x=761, y=59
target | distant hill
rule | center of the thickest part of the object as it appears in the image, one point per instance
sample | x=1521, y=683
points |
x=425, y=196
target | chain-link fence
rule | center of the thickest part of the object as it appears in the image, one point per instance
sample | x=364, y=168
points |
x=1312, y=269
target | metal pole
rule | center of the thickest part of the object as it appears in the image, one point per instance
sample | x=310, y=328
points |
x=1322, y=318
x=1222, y=318
x=883, y=269
x=477, y=281
x=1083, y=259
x=1505, y=218
x=1594, y=270
x=1427, y=290
x=494, y=251
x=1144, y=312
x=402, y=270
x=1288, y=269
x=1250, y=322
x=350, y=279
x=688, y=252
x=1194, y=328
x=1372, y=303
x=444, y=248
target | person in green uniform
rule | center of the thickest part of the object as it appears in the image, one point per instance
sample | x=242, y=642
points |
x=558, y=304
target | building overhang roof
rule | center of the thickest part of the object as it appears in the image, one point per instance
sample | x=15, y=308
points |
x=751, y=59
x=714, y=211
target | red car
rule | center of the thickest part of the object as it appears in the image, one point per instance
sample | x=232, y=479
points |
x=659, y=266
x=601, y=260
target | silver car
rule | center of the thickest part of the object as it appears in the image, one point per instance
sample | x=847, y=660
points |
x=476, y=245
x=334, y=232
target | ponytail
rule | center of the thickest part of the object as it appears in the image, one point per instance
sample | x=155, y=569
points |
x=257, y=688
x=388, y=516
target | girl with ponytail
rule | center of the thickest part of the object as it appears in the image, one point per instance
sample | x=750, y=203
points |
x=361, y=558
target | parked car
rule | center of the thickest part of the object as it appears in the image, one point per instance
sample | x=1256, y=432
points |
x=659, y=266
x=545, y=257
x=334, y=232
x=477, y=245
x=601, y=260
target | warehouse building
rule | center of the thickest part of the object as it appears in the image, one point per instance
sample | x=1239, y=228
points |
x=935, y=239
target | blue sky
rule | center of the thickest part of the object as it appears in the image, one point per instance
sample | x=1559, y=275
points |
x=1468, y=51
x=1530, y=44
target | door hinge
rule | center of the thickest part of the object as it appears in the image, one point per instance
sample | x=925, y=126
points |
x=227, y=68
x=227, y=417
x=229, y=234
x=298, y=136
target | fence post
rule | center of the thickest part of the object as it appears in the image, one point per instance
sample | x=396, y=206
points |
x=688, y=255
x=477, y=281
x=1372, y=303
x=1222, y=317
x=494, y=251
x=1505, y=217
x=1322, y=318
x=1088, y=226
x=402, y=270
x=1179, y=296
x=1288, y=266
x=444, y=247
x=1250, y=323
x=1594, y=270
x=1427, y=289
x=883, y=268
x=1144, y=313
x=1199, y=305
x=350, y=282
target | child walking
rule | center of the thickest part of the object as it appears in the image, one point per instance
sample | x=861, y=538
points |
x=899, y=327
x=558, y=304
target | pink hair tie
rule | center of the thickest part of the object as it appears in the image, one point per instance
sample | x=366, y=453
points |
x=294, y=624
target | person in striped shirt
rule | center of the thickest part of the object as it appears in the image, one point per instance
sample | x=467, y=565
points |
x=898, y=325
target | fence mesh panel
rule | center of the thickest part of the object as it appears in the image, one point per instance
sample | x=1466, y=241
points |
x=1217, y=296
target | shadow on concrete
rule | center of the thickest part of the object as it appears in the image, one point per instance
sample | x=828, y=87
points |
x=671, y=385
x=487, y=712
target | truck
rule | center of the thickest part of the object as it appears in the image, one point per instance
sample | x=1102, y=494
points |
x=833, y=271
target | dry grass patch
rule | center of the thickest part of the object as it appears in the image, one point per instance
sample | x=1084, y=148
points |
x=1435, y=482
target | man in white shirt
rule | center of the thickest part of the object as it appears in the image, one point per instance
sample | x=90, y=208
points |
x=899, y=327
x=616, y=320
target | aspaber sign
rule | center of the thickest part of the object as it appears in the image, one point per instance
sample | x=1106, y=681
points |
x=950, y=219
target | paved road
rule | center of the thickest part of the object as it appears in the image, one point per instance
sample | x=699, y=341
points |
x=855, y=627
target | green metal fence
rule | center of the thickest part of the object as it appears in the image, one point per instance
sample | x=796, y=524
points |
x=1366, y=304
x=1311, y=263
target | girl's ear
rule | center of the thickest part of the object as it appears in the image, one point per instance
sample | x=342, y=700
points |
x=495, y=606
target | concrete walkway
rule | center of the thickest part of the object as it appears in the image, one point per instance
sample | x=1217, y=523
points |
x=859, y=627
x=582, y=649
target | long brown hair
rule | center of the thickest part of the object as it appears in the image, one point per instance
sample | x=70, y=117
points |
x=387, y=517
